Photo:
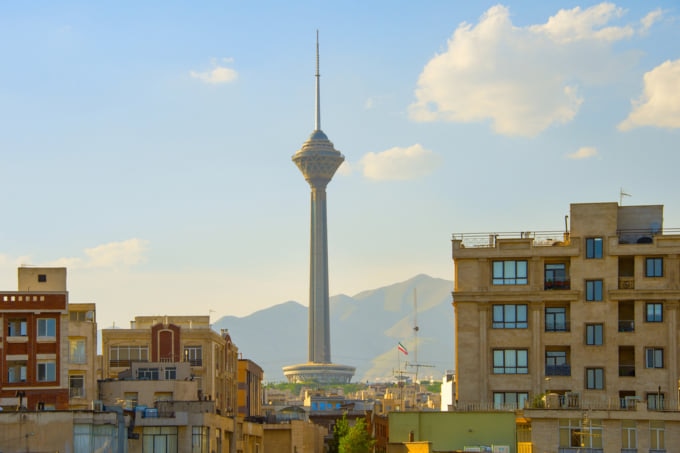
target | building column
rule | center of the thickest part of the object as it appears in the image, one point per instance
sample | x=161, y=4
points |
x=536, y=364
x=484, y=357
x=671, y=356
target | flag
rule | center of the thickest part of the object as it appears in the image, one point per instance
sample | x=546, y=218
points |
x=402, y=348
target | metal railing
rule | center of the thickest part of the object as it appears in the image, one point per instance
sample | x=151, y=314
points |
x=540, y=238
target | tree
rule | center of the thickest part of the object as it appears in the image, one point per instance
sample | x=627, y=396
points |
x=340, y=430
x=357, y=439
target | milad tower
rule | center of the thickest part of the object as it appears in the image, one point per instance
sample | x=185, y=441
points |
x=318, y=160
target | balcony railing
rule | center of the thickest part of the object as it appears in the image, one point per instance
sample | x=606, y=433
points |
x=540, y=238
x=626, y=325
x=557, y=284
x=558, y=370
x=579, y=450
x=626, y=282
x=557, y=326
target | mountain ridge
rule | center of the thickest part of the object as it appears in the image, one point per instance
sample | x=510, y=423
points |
x=365, y=331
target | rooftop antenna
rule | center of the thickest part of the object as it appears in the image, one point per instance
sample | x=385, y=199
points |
x=416, y=329
x=317, y=119
x=621, y=195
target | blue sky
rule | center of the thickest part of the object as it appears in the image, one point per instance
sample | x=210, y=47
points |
x=147, y=145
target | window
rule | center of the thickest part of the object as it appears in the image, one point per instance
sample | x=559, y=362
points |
x=147, y=374
x=556, y=276
x=16, y=371
x=556, y=363
x=123, y=356
x=595, y=378
x=200, y=439
x=130, y=399
x=193, y=355
x=170, y=373
x=655, y=401
x=510, y=272
x=593, y=248
x=159, y=439
x=628, y=435
x=16, y=327
x=580, y=433
x=47, y=327
x=81, y=316
x=509, y=316
x=654, y=267
x=76, y=351
x=514, y=400
x=42, y=278
x=657, y=436
x=555, y=319
x=47, y=371
x=593, y=290
x=654, y=313
x=162, y=396
x=510, y=361
x=76, y=386
x=653, y=358
x=594, y=334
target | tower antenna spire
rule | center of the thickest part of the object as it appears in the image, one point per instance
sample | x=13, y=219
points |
x=317, y=120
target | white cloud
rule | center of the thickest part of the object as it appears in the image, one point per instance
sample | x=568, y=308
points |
x=399, y=164
x=650, y=19
x=659, y=104
x=218, y=74
x=585, y=152
x=521, y=79
x=111, y=255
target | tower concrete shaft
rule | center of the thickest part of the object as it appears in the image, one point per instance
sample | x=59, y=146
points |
x=318, y=160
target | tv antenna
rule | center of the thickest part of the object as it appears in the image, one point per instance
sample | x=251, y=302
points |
x=416, y=329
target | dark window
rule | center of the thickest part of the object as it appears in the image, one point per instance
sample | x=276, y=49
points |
x=593, y=247
x=654, y=313
x=510, y=361
x=556, y=363
x=509, y=399
x=509, y=316
x=654, y=267
x=593, y=290
x=42, y=278
x=594, y=334
x=510, y=272
x=655, y=401
x=556, y=276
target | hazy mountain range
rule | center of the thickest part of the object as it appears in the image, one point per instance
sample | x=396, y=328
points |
x=365, y=331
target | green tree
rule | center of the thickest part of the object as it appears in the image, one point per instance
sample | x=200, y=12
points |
x=340, y=430
x=357, y=439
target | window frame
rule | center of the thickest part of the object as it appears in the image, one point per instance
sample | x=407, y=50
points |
x=594, y=378
x=193, y=354
x=594, y=290
x=48, y=372
x=505, y=364
x=508, y=310
x=74, y=378
x=654, y=358
x=500, y=399
x=592, y=331
x=655, y=270
x=654, y=315
x=554, y=315
x=594, y=248
x=77, y=354
x=17, y=327
x=503, y=274
x=657, y=434
x=46, y=328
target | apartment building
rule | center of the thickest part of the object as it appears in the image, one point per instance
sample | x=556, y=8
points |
x=47, y=345
x=578, y=329
x=159, y=342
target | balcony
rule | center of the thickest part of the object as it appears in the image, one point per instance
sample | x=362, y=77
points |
x=579, y=450
x=558, y=370
x=627, y=370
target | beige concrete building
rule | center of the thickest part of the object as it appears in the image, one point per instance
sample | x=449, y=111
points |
x=172, y=340
x=578, y=327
